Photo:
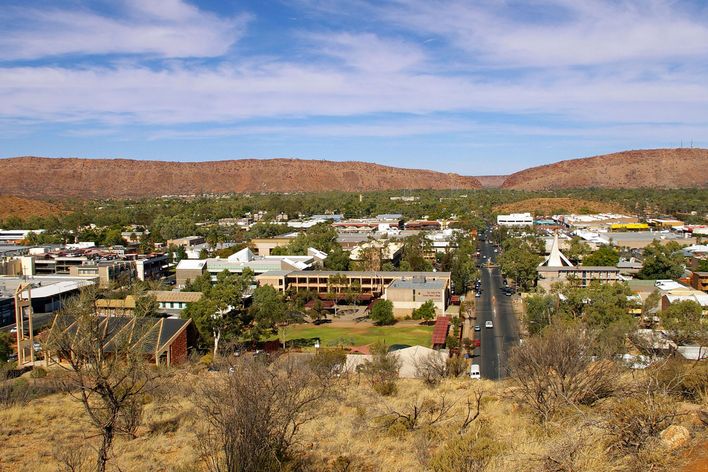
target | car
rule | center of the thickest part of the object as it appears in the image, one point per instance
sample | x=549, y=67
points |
x=488, y=324
x=477, y=294
x=507, y=293
x=474, y=372
x=477, y=328
x=13, y=330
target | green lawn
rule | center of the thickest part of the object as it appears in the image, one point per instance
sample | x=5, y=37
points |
x=332, y=335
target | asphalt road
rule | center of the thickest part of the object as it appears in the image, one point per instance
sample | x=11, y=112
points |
x=494, y=306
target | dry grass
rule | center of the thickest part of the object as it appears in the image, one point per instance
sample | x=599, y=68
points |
x=344, y=437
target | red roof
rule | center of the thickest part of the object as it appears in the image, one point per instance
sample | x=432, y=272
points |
x=325, y=304
x=442, y=326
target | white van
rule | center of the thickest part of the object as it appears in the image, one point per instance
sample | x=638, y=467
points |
x=474, y=372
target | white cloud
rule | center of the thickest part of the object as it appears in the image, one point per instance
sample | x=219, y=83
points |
x=568, y=32
x=169, y=28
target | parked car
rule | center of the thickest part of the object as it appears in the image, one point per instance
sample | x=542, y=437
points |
x=477, y=328
x=474, y=372
x=489, y=324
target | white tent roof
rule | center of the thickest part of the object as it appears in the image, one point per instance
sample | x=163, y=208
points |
x=556, y=258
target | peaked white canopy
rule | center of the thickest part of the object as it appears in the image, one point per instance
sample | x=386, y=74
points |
x=556, y=257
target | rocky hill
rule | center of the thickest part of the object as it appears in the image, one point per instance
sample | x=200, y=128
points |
x=655, y=168
x=106, y=178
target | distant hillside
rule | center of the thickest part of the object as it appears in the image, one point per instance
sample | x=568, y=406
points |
x=655, y=168
x=24, y=208
x=550, y=206
x=113, y=178
x=491, y=181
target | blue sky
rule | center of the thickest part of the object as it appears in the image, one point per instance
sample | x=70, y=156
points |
x=473, y=87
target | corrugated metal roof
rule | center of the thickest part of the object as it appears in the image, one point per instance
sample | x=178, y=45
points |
x=440, y=330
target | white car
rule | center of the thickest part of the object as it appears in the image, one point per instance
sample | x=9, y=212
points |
x=488, y=324
x=474, y=372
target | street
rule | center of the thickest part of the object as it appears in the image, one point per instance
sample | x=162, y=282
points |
x=493, y=306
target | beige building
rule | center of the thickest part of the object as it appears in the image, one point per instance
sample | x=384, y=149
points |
x=189, y=270
x=372, y=283
x=409, y=294
x=265, y=245
x=108, y=272
x=186, y=242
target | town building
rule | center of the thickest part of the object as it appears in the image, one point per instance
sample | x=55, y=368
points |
x=163, y=341
x=186, y=242
x=557, y=268
x=190, y=269
x=108, y=272
x=515, y=219
x=47, y=293
x=410, y=294
x=16, y=236
x=263, y=246
x=699, y=281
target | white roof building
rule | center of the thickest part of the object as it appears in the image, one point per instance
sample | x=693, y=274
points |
x=515, y=219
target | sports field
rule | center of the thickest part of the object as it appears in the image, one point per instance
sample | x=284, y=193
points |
x=356, y=335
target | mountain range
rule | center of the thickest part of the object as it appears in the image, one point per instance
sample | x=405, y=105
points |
x=59, y=178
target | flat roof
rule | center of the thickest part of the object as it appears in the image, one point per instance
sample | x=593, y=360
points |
x=418, y=284
x=195, y=264
x=361, y=273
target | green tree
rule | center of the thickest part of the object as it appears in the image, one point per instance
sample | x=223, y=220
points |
x=172, y=227
x=662, y=261
x=604, y=256
x=203, y=254
x=382, y=313
x=520, y=263
x=113, y=237
x=425, y=312
x=337, y=259
x=683, y=320
x=322, y=237
x=268, y=309
x=540, y=310
x=221, y=313
x=5, y=346
x=179, y=254
x=415, y=249
x=577, y=250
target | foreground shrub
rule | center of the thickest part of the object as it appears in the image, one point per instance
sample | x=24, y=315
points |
x=382, y=370
x=559, y=368
x=630, y=423
x=466, y=454
x=685, y=379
